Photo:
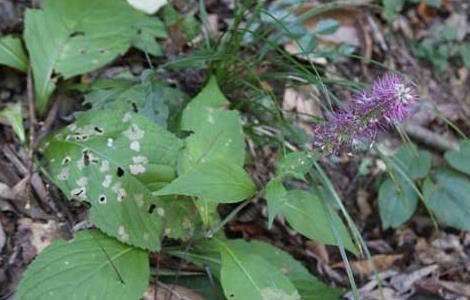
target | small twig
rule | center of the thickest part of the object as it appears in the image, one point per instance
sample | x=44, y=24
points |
x=32, y=132
x=430, y=138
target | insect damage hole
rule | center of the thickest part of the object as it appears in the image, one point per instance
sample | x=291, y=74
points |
x=151, y=208
x=120, y=172
x=102, y=199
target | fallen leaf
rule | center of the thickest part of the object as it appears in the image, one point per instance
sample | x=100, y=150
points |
x=403, y=282
x=456, y=287
x=364, y=267
x=424, y=11
x=318, y=249
x=351, y=31
x=170, y=291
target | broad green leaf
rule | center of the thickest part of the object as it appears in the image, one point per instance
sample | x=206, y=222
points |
x=91, y=266
x=244, y=275
x=206, y=254
x=12, y=53
x=213, y=180
x=460, y=159
x=327, y=26
x=296, y=164
x=217, y=134
x=72, y=37
x=415, y=163
x=115, y=161
x=448, y=196
x=307, y=215
x=13, y=116
x=276, y=196
x=397, y=203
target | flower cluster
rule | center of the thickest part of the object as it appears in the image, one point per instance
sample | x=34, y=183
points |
x=388, y=101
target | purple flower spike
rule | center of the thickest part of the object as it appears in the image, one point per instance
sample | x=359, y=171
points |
x=387, y=102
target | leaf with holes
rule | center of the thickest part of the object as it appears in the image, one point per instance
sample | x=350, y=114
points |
x=12, y=53
x=397, y=202
x=216, y=180
x=448, y=196
x=72, y=37
x=115, y=163
x=460, y=159
x=91, y=266
x=244, y=275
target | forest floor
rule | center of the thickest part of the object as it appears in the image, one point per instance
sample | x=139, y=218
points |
x=415, y=260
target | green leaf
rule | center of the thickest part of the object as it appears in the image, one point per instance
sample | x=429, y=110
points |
x=296, y=164
x=391, y=8
x=91, y=266
x=397, y=203
x=214, y=180
x=115, y=163
x=248, y=276
x=306, y=214
x=416, y=164
x=217, y=134
x=460, y=159
x=72, y=37
x=309, y=287
x=12, y=53
x=465, y=54
x=327, y=26
x=276, y=196
x=13, y=115
x=448, y=196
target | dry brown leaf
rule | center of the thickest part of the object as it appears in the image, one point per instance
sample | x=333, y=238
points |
x=403, y=282
x=319, y=249
x=351, y=31
x=171, y=291
x=364, y=267
x=424, y=11
x=456, y=287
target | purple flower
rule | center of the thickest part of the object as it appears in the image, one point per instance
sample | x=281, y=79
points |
x=387, y=102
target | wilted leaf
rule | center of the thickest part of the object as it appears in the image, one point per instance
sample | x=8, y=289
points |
x=72, y=37
x=91, y=266
x=12, y=53
x=115, y=164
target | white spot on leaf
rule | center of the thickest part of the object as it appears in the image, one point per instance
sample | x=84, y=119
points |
x=107, y=181
x=82, y=181
x=137, y=169
x=64, y=174
x=127, y=117
x=134, y=133
x=135, y=145
x=161, y=211
x=104, y=166
x=140, y=159
x=122, y=233
x=139, y=199
x=110, y=142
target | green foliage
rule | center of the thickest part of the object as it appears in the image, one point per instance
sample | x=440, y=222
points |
x=460, y=159
x=214, y=180
x=12, y=53
x=296, y=164
x=12, y=114
x=72, y=37
x=239, y=253
x=391, y=8
x=115, y=164
x=397, y=203
x=91, y=266
x=448, y=195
